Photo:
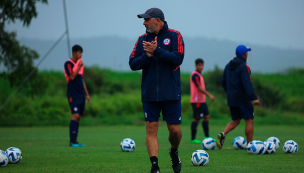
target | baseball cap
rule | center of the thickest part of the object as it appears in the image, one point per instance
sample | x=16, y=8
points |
x=153, y=12
x=242, y=49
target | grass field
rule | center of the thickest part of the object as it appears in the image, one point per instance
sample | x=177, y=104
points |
x=45, y=149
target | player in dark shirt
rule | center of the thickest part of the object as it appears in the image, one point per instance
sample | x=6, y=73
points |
x=77, y=92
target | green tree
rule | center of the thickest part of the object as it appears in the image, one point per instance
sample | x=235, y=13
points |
x=17, y=59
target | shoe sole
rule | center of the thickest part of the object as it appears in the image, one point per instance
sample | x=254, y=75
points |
x=218, y=141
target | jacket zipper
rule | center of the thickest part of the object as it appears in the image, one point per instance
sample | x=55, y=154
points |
x=157, y=75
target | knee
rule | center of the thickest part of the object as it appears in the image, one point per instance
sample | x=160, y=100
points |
x=237, y=122
x=152, y=128
x=174, y=131
x=206, y=118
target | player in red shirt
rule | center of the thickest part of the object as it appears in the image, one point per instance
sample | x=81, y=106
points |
x=198, y=101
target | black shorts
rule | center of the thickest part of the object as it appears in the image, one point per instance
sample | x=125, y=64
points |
x=199, y=110
x=239, y=112
x=77, y=105
x=171, y=111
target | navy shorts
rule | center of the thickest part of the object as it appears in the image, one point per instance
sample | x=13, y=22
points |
x=77, y=105
x=199, y=110
x=171, y=111
x=239, y=112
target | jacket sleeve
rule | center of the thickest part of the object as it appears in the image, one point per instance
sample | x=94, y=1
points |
x=138, y=60
x=245, y=77
x=176, y=56
x=224, y=80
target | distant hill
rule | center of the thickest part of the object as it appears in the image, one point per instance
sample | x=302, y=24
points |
x=113, y=52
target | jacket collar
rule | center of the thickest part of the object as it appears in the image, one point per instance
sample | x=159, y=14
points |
x=161, y=32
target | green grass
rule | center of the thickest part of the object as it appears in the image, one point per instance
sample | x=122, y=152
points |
x=45, y=149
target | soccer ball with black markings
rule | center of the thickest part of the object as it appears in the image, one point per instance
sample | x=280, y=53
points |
x=200, y=158
x=256, y=147
x=3, y=158
x=14, y=154
x=239, y=142
x=208, y=144
x=270, y=147
x=127, y=145
x=290, y=146
x=275, y=140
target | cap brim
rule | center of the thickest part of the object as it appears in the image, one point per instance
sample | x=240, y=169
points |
x=248, y=49
x=144, y=16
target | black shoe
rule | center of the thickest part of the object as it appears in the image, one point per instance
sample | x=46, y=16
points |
x=220, y=140
x=176, y=163
x=155, y=169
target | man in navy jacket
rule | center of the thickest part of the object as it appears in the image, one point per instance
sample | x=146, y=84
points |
x=159, y=53
x=237, y=83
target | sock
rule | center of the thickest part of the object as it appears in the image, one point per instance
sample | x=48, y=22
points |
x=77, y=130
x=193, y=130
x=206, y=128
x=73, y=131
x=173, y=150
x=154, y=161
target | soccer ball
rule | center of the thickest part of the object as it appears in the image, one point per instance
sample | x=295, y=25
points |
x=3, y=158
x=127, y=145
x=290, y=146
x=257, y=147
x=275, y=140
x=248, y=148
x=208, y=144
x=270, y=147
x=14, y=154
x=239, y=143
x=200, y=158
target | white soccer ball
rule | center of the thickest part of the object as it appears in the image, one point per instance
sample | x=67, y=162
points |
x=276, y=141
x=208, y=144
x=3, y=158
x=127, y=145
x=239, y=142
x=248, y=147
x=270, y=147
x=257, y=147
x=14, y=154
x=290, y=146
x=200, y=158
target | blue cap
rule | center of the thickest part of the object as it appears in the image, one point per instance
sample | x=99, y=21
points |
x=242, y=49
x=153, y=12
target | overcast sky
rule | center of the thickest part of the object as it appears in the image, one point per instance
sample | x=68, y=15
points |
x=275, y=23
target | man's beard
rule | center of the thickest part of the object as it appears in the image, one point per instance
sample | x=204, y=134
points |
x=152, y=29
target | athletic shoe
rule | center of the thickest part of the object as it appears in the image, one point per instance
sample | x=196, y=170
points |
x=195, y=141
x=155, y=169
x=76, y=144
x=176, y=163
x=220, y=140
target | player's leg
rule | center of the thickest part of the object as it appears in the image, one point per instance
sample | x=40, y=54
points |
x=205, y=125
x=206, y=116
x=196, y=119
x=236, y=119
x=248, y=116
x=77, y=110
x=152, y=113
x=171, y=111
x=249, y=130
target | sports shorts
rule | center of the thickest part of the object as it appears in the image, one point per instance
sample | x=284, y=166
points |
x=77, y=105
x=171, y=111
x=199, y=110
x=242, y=112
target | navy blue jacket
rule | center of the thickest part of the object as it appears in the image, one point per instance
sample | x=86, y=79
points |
x=160, y=73
x=237, y=83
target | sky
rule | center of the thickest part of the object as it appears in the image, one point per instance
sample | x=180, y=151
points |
x=273, y=23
